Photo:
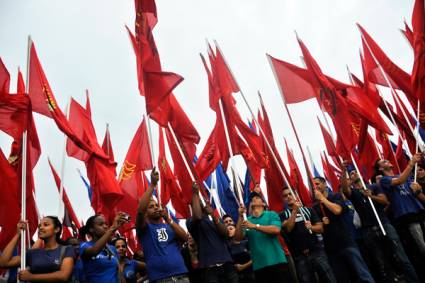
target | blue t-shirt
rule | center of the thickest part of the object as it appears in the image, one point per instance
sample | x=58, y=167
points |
x=102, y=268
x=162, y=253
x=130, y=270
x=212, y=247
x=402, y=199
x=47, y=261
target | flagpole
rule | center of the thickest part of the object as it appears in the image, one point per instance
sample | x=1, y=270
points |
x=417, y=138
x=62, y=176
x=395, y=95
x=24, y=170
x=108, y=146
x=370, y=200
x=184, y=157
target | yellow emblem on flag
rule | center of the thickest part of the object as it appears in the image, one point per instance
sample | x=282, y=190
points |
x=127, y=171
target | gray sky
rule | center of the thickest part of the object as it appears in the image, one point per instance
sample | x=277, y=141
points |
x=83, y=44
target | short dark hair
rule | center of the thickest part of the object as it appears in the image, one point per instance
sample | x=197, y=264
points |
x=226, y=216
x=321, y=179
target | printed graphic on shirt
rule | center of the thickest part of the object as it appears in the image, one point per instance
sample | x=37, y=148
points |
x=162, y=235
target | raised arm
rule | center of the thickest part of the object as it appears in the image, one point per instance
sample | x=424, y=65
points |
x=406, y=172
x=239, y=230
x=94, y=250
x=289, y=223
x=196, y=203
x=221, y=228
x=144, y=201
x=333, y=207
x=180, y=232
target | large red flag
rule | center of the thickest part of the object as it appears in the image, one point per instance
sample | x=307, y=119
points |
x=82, y=126
x=210, y=156
x=44, y=102
x=132, y=180
x=398, y=78
x=418, y=71
x=68, y=207
x=367, y=155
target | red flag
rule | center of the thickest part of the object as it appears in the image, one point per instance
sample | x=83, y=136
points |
x=297, y=179
x=68, y=207
x=44, y=102
x=293, y=81
x=364, y=107
x=154, y=84
x=330, y=173
x=367, y=155
x=398, y=78
x=329, y=142
x=210, y=156
x=82, y=126
x=20, y=85
x=4, y=78
x=418, y=71
x=14, y=111
x=145, y=13
x=107, y=145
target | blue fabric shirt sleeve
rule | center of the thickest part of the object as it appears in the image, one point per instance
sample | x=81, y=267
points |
x=83, y=247
x=385, y=182
x=69, y=252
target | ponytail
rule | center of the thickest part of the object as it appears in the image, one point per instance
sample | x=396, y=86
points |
x=85, y=230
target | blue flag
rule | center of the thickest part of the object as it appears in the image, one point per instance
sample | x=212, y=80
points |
x=89, y=188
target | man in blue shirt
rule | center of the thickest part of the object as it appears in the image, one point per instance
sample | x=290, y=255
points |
x=339, y=244
x=407, y=210
x=214, y=256
x=164, y=261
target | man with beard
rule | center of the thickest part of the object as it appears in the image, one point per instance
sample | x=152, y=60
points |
x=164, y=261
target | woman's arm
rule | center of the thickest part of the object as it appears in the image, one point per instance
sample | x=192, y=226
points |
x=62, y=275
x=6, y=258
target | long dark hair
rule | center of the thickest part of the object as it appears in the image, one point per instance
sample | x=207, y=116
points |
x=85, y=230
x=57, y=224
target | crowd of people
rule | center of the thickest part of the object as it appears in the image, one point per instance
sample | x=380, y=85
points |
x=354, y=233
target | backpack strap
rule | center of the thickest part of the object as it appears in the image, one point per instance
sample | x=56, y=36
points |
x=62, y=254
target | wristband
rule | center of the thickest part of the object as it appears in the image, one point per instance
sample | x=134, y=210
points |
x=257, y=225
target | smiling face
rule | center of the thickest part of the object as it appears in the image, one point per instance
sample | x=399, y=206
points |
x=47, y=229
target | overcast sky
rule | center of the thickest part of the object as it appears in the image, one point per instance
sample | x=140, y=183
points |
x=83, y=44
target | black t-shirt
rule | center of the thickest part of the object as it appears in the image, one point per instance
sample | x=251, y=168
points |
x=364, y=209
x=240, y=252
x=300, y=239
x=336, y=234
x=212, y=247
